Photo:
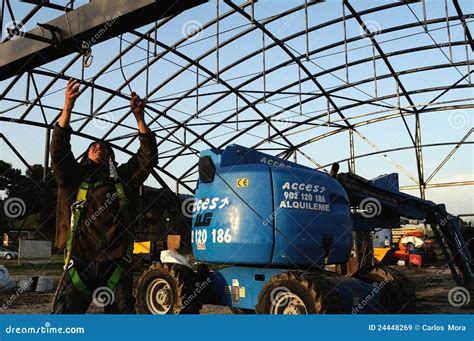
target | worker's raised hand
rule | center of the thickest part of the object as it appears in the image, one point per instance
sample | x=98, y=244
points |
x=137, y=106
x=72, y=92
x=138, y=109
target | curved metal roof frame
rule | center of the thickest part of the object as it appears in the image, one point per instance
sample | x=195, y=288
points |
x=281, y=137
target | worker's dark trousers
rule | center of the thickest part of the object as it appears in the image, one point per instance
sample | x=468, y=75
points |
x=94, y=274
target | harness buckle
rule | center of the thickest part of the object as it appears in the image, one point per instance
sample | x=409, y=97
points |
x=127, y=258
x=70, y=265
x=78, y=205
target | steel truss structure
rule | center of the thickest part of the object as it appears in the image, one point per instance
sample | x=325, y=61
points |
x=232, y=103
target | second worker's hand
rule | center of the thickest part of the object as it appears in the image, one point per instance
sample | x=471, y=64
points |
x=137, y=106
x=138, y=109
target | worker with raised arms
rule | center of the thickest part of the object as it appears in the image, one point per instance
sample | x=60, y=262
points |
x=95, y=214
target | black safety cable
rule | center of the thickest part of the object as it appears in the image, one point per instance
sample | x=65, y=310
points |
x=121, y=67
x=82, y=46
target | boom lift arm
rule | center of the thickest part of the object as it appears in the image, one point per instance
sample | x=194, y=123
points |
x=384, y=205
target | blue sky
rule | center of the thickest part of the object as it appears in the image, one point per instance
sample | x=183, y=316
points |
x=437, y=126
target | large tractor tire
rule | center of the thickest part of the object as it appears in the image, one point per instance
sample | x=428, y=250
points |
x=166, y=289
x=397, y=293
x=294, y=292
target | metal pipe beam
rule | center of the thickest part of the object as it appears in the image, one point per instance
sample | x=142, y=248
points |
x=438, y=185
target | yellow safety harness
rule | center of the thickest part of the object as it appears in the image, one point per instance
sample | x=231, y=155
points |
x=76, y=211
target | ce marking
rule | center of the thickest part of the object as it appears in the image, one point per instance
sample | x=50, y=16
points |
x=243, y=182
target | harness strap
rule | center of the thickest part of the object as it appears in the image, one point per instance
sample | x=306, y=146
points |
x=77, y=281
x=76, y=210
x=120, y=269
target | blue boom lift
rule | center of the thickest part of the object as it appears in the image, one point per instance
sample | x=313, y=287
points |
x=274, y=237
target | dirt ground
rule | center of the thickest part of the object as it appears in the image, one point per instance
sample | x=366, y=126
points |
x=432, y=287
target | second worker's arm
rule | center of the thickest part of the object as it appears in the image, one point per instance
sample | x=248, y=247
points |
x=135, y=171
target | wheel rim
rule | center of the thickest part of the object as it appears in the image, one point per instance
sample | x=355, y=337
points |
x=159, y=297
x=288, y=303
x=8, y=257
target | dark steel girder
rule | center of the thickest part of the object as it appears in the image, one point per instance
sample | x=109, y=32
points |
x=277, y=67
x=94, y=138
x=359, y=124
x=334, y=90
x=107, y=90
x=292, y=56
x=463, y=21
x=360, y=102
x=307, y=100
x=291, y=60
x=345, y=86
x=417, y=140
x=425, y=90
x=271, y=45
x=153, y=91
x=379, y=119
x=227, y=85
x=390, y=150
x=91, y=23
x=196, y=60
x=103, y=89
